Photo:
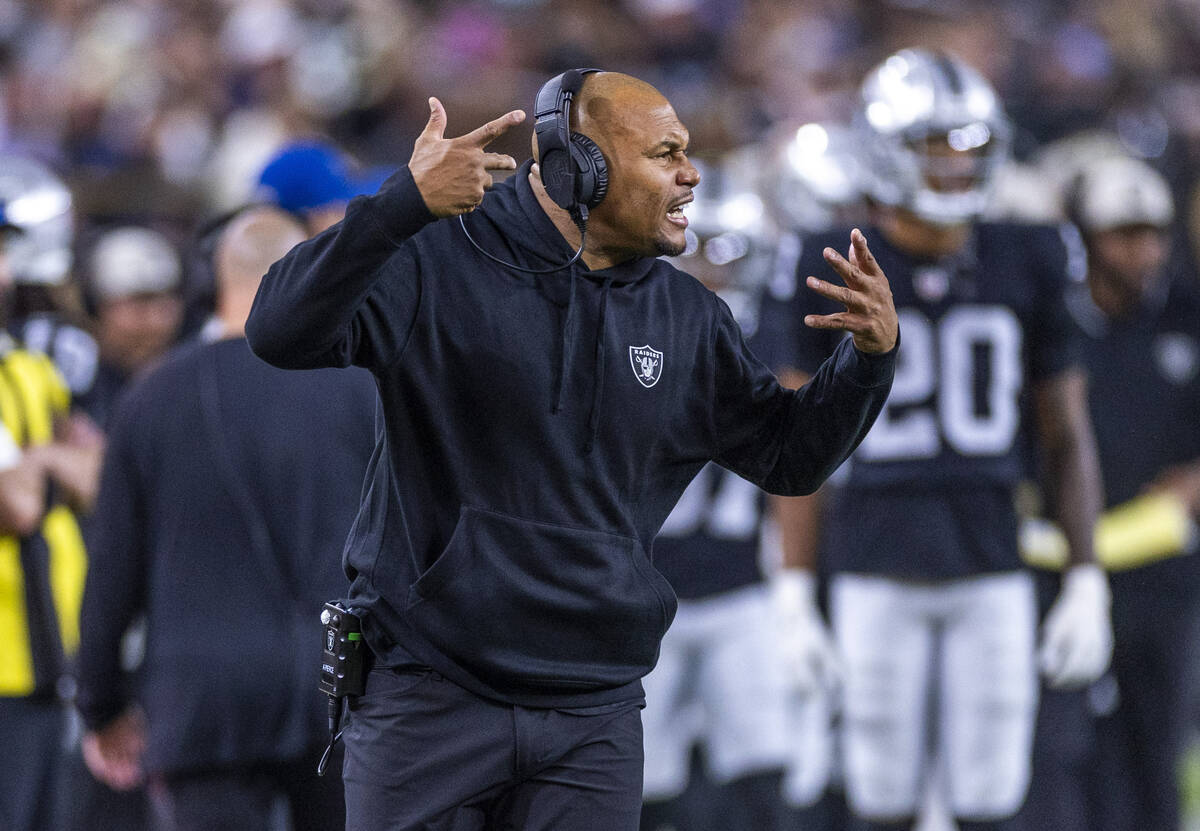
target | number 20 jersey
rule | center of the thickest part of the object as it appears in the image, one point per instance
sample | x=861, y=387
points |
x=928, y=495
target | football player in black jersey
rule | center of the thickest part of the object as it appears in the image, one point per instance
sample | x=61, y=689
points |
x=718, y=682
x=1108, y=760
x=934, y=617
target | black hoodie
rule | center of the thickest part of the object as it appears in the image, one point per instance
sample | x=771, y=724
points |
x=537, y=432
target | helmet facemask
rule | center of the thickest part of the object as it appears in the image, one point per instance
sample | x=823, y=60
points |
x=935, y=136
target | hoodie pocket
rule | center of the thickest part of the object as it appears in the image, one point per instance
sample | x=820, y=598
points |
x=540, y=605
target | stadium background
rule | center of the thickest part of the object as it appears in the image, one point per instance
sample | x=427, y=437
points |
x=163, y=111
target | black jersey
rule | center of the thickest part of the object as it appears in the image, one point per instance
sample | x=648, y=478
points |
x=710, y=542
x=928, y=493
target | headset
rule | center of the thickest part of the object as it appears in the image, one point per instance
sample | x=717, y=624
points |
x=573, y=168
x=574, y=171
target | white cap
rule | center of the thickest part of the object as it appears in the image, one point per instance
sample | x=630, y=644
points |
x=131, y=260
x=1119, y=191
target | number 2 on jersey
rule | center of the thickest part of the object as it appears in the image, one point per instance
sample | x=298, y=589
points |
x=958, y=382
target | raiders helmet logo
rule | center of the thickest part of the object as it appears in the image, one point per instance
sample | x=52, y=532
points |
x=646, y=363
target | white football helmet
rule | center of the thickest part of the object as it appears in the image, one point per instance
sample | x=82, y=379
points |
x=728, y=221
x=934, y=134
x=35, y=211
x=814, y=177
x=731, y=236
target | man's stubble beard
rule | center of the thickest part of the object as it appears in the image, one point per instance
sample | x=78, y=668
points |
x=666, y=248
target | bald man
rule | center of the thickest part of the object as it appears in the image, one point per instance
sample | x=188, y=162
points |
x=191, y=533
x=549, y=388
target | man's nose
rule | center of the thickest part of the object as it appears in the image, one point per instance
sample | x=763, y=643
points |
x=689, y=175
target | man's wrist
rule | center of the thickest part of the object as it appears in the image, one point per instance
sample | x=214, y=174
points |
x=398, y=208
x=870, y=369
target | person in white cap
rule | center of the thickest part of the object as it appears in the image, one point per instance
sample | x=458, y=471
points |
x=134, y=280
x=1108, y=759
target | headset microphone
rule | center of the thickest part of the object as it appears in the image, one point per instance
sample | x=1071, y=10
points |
x=574, y=171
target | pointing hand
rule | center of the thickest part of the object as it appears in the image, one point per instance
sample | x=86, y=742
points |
x=453, y=174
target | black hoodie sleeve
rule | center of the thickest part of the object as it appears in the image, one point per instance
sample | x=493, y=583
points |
x=789, y=441
x=349, y=294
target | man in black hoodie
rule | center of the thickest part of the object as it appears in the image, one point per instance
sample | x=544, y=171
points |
x=538, y=428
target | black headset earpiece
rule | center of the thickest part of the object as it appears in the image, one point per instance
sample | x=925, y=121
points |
x=573, y=168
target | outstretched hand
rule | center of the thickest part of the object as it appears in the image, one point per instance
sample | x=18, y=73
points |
x=453, y=174
x=870, y=315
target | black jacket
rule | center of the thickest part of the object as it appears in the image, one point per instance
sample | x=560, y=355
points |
x=227, y=490
x=538, y=431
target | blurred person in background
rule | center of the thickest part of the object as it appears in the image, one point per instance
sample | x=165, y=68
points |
x=719, y=682
x=226, y=719
x=1108, y=759
x=132, y=285
x=314, y=180
x=812, y=175
x=43, y=483
x=45, y=308
x=933, y=615
x=131, y=278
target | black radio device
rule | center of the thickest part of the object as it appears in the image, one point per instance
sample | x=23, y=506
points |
x=343, y=660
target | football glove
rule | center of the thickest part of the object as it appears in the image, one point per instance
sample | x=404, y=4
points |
x=806, y=650
x=1077, y=637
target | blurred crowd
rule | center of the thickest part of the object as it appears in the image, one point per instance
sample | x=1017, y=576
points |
x=164, y=120
x=169, y=109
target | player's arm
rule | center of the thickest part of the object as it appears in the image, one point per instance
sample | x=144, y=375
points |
x=1072, y=462
x=1077, y=633
x=342, y=297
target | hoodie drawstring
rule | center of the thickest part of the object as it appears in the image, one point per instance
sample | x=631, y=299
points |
x=598, y=381
x=566, y=344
